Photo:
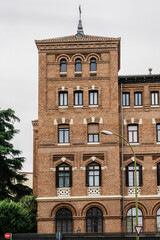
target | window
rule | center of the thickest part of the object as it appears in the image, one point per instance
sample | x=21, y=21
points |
x=63, y=175
x=131, y=219
x=158, y=220
x=126, y=99
x=63, y=98
x=64, y=220
x=94, y=220
x=158, y=132
x=158, y=174
x=93, y=175
x=78, y=65
x=130, y=175
x=63, y=65
x=133, y=133
x=93, y=65
x=63, y=133
x=93, y=132
x=93, y=97
x=154, y=98
x=138, y=99
x=78, y=98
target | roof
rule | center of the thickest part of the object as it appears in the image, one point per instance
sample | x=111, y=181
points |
x=73, y=38
x=145, y=78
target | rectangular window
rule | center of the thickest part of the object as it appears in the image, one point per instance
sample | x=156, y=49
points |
x=158, y=132
x=125, y=99
x=63, y=98
x=93, y=132
x=93, y=98
x=154, y=98
x=138, y=99
x=78, y=98
x=63, y=134
x=133, y=133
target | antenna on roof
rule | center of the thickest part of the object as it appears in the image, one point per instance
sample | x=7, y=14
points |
x=80, y=27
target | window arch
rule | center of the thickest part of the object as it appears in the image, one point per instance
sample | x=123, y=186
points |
x=93, y=65
x=94, y=220
x=93, y=175
x=131, y=219
x=130, y=175
x=63, y=175
x=64, y=220
x=158, y=220
x=78, y=65
x=63, y=65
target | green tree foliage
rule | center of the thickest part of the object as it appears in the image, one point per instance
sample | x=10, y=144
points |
x=14, y=218
x=11, y=182
x=30, y=204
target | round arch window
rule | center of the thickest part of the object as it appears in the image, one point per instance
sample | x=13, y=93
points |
x=64, y=220
x=94, y=220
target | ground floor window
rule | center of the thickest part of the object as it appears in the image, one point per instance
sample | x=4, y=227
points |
x=94, y=220
x=131, y=219
x=158, y=220
x=64, y=220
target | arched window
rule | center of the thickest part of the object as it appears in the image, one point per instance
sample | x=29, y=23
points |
x=63, y=175
x=64, y=220
x=63, y=65
x=93, y=175
x=130, y=175
x=158, y=220
x=131, y=219
x=93, y=65
x=78, y=65
x=94, y=220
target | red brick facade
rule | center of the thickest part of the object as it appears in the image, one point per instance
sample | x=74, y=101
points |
x=68, y=140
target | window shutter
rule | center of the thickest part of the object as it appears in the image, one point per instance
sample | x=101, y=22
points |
x=87, y=175
x=140, y=175
x=70, y=176
x=158, y=175
x=100, y=175
x=57, y=177
x=127, y=182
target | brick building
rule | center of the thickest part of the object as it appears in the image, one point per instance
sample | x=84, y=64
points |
x=77, y=171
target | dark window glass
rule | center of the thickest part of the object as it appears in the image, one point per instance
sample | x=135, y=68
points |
x=78, y=98
x=133, y=134
x=78, y=65
x=63, y=134
x=126, y=99
x=94, y=220
x=130, y=175
x=64, y=221
x=63, y=175
x=138, y=99
x=131, y=219
x=93, y=175
x=93, y=132
x=93, y=65
x=158, y=220
x=158, y=132
x=154, y=98
x=63, y=98
x=158, y=174
x=63, y=65
x=93, y=98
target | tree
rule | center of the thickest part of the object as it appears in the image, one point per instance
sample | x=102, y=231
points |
x=11, y=182
x=29, y=203
x=14, y=218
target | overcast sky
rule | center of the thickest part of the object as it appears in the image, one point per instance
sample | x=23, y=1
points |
x=137, y=22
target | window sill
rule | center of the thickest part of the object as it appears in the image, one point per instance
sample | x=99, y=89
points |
x=78, y=74
x=158, y=142
x=62, y=106
x=93, y=73
x=93, y=143
x=63, y=144
x=78, y=106
x=134, y=144
x=153, y=106
x=131, y=191
x=126, y=107
x=93, y=105
x=63, y=192
x=138, y=106
x=63, y=74
x=92, y=191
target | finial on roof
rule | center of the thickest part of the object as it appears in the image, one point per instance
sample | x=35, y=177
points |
x=80, y=27
x=150, y=70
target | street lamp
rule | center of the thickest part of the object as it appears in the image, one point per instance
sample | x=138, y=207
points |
x=134, y=156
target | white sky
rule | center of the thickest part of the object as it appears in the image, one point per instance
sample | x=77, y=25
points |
x=137, y=22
